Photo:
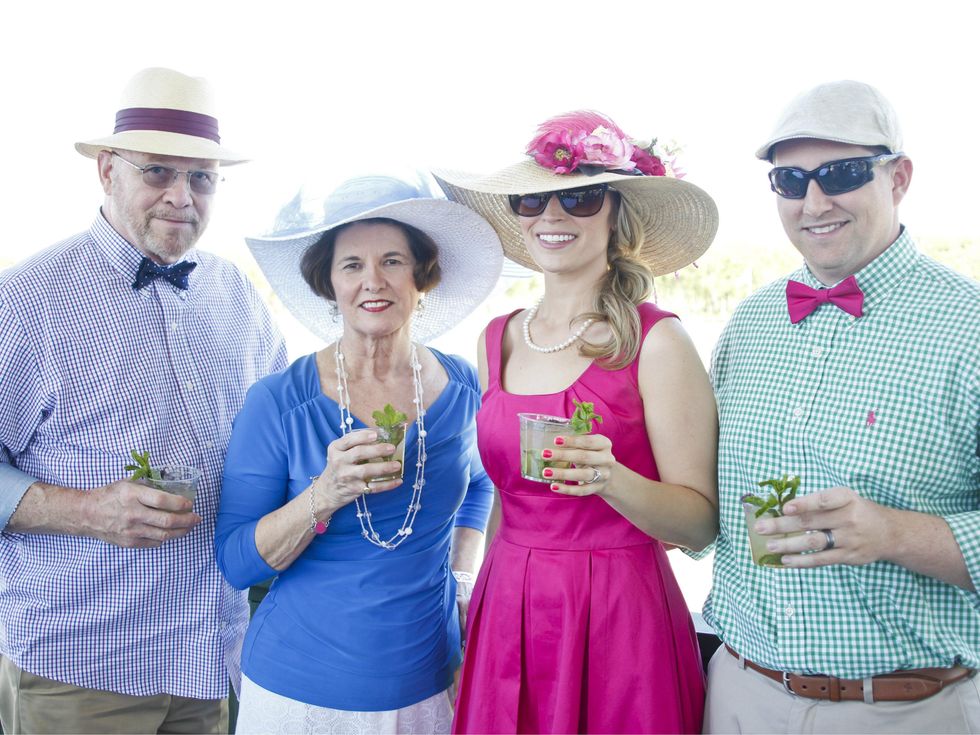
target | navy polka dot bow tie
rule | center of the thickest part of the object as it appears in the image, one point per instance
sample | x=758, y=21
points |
x=175, y=274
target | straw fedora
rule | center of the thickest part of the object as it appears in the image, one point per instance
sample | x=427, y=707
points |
x=470, y=256
x=167, y=113
x=679, y=219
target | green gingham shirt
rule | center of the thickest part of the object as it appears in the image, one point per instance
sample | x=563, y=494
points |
x=887, y=404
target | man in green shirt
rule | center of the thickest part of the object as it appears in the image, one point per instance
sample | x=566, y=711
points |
x=859, y=373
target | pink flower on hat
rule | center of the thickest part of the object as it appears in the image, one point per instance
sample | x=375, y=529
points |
x=558, y=150
x=608, y=149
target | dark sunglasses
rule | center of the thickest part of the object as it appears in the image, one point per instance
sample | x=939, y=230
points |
x=833, y=177
x=584, y=201
x=163, y=177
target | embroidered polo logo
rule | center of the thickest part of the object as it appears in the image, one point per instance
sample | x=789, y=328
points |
x=870, y=421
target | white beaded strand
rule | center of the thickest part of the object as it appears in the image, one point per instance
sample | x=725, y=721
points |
x=531, y=313
x=346, y=420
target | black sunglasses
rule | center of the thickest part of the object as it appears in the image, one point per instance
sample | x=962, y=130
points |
x=584, y=201
x=833, y=177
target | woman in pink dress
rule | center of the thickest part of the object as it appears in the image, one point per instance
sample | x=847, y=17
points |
x=576, y=622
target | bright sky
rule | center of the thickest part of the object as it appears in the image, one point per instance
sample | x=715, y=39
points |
x=318, y=91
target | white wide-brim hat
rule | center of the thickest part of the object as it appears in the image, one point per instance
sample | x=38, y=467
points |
x=679, y=219
x=167, y=113
x=470, y=256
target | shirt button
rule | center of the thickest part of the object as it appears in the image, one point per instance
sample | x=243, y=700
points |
x=173, y=326
x=817, y=351
x=790, y=611
x=189, y=385
x=797, y=412
x=209, y=445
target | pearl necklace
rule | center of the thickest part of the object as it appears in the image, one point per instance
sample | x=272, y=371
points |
x=415, y=504
x=531, y=313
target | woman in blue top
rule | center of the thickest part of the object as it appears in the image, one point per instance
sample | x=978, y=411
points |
x=360, y=629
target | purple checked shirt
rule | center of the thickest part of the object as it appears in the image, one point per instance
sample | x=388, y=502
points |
x=91, y=368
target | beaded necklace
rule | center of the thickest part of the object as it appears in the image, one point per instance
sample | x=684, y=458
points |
x=531, y=313
x=415, y=504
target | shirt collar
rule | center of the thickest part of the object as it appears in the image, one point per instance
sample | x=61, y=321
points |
x=882, y=275
x=121, y=255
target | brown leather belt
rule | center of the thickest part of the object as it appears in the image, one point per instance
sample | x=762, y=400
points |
x=901, y=686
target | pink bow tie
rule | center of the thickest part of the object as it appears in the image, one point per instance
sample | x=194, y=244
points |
x=803, y=300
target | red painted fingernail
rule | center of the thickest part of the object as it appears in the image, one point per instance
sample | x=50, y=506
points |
x=554, y=486
x=548, y=472
x=546, y=453
x=559, y=440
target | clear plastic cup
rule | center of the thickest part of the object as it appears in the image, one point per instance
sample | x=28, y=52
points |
x=760, y=554
x=538, y=432
x=177, y=479
x=391, y=435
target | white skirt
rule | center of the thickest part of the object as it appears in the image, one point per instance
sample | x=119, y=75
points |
x=261, y=712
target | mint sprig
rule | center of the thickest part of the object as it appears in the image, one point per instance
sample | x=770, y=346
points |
x=141, y=469
x=389, y=421
x=781, y=491
x=582, y=418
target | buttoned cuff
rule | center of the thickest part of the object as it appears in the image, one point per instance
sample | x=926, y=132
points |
x=13, y=486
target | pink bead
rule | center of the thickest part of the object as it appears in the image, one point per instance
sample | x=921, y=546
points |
x=320, y=527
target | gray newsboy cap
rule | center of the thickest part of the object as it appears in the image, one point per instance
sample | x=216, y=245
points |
x=844, y=112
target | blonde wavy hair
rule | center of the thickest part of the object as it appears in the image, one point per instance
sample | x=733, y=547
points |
x=628, y=283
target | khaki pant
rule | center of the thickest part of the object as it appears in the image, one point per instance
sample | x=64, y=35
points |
x=33, y=704
x=744, y=701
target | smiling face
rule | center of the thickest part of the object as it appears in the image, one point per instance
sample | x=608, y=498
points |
x=561, y=243
x=373, y=279
x=162, y=223
x=839, y=235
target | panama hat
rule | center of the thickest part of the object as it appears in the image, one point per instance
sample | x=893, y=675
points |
x=843, y=112
x=167, y=113
x=577, y=149
x=469, y=252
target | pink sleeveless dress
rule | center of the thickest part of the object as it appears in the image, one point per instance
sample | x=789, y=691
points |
x=576, y=623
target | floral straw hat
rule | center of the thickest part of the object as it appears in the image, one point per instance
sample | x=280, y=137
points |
x=586, y=148
x=167, y=113
x=470, y=257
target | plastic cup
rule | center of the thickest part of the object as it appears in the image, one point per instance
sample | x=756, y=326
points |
x=538, y=432
x=391, y=435
x=177, y=479
x=760, y=554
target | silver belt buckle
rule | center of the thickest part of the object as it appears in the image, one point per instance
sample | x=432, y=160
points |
x=786, y=685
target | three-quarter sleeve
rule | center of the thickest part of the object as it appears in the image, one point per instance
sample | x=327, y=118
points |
x=253, y=485
x=474, y=512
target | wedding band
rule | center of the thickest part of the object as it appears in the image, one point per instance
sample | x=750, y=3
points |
x=831, y=543
x=367, y=488
x=596, y=476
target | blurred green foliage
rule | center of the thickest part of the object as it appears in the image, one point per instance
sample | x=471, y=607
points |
x=725, y=276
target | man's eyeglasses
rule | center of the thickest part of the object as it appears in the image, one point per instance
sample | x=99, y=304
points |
x=584, y=201
x=833, y=177
x=163, y=177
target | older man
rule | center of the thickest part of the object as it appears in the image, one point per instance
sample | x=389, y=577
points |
x=113, y=615
x=861, y=375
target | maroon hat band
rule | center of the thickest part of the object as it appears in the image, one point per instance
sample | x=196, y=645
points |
x=168, y=121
